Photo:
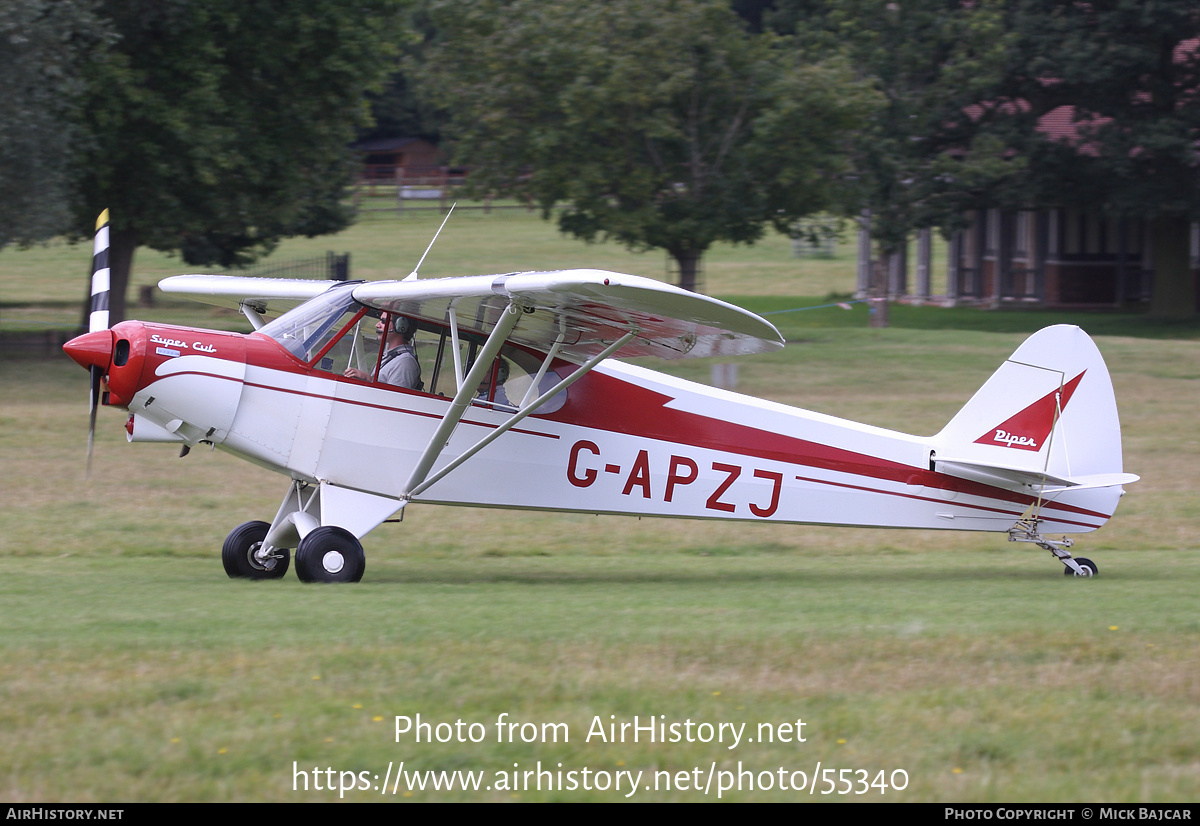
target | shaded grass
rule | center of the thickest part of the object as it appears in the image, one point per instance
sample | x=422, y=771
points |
x=798, y=318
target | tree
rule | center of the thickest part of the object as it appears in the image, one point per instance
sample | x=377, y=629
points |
x=655, y=123
x=967, y=87
x=44, y=45
x=1129, y=72
x=218, y=127
x=931, y=151
x=398, y=110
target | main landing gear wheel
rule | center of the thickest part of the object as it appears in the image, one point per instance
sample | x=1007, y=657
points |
x=244, y=557
x=1089, y=567
x=330, y=554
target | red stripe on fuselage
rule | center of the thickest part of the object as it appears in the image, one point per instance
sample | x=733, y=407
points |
x=607, y=403
x=948, y=504
x=354, y=402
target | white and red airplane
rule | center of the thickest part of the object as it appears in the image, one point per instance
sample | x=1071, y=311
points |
x=1036, y=450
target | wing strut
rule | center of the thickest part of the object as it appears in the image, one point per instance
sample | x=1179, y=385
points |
x=466, y=391
x=455, y=349
x=527, y=408
x=541, y=373
x=252, y=314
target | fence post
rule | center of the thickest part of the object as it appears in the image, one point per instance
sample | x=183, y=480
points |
x=337, y=266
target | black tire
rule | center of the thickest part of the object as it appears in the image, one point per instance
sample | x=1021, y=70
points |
x=1086, y=564
x=330, y=554
x=237, y=554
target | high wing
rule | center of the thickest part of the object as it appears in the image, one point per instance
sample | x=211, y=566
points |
x=255, y=297
x=584, y=311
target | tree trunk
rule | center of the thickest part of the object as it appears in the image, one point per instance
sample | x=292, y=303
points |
x=122, y=244
x=688, y=267
x=877, y=303
x=1174, y=287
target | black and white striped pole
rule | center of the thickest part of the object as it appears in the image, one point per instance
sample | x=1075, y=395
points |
x=97, y=321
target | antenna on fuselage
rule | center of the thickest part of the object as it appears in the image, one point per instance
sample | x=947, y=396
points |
x=412, y=276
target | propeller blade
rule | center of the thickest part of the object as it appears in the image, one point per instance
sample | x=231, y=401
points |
x=97, y=374
x=97, y=322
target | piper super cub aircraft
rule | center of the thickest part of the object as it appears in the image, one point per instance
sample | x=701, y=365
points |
x=522, y=406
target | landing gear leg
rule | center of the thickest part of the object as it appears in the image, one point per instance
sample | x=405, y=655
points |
x=1026, y=530
x=325, y=552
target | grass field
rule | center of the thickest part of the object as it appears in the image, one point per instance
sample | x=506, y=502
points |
x=132, y=669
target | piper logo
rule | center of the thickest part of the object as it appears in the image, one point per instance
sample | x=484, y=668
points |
x=1030, y=428
x=1006, y=438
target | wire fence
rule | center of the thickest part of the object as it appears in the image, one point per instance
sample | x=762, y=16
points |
x=388, y=188
x=331, y=266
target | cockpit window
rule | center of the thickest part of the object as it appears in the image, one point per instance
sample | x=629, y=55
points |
x=513, y=377
x=319, y=332
x=507, y=383
x=334, y=333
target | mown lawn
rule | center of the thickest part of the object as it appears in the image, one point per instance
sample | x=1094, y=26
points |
x=132, y=669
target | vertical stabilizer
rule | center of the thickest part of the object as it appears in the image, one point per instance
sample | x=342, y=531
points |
x=1045, y=423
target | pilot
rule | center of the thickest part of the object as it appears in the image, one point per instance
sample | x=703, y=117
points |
x=400, y=366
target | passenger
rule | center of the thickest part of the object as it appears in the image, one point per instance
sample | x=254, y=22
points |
x=400, y=366
x=501, y=377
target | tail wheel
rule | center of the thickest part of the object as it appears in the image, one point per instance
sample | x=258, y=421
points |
x=1089, y=567
x=330, y=554
x=244, y=557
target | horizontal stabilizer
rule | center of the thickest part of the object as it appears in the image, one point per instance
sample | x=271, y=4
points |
x=1097, y=480
x=1016, y=478
x=1003, y=476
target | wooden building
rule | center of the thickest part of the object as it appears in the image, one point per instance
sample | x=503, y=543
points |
x=382, y=157
x=1055, y=258
x=1052, y=257
x=1059, y=258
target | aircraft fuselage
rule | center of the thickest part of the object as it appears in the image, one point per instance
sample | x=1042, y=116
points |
x=627, y=440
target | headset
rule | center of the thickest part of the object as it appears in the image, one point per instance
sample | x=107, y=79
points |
x=404, y=326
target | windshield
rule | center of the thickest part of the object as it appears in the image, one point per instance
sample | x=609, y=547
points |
x=308, y=331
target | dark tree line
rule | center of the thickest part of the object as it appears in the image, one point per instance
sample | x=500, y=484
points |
x=211, y=129
x=214, y=129
x=967, y=84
